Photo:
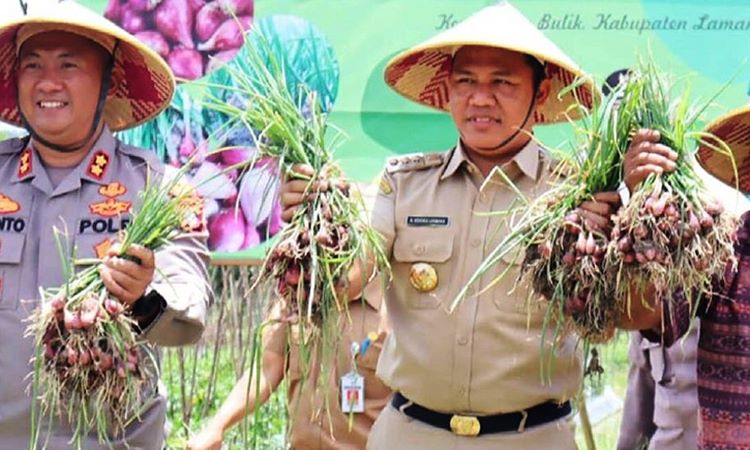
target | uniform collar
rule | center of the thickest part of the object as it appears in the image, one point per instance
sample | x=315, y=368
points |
x=526, y=161
x=96, y=166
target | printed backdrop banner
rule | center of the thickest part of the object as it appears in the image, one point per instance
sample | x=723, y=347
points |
x=340, y=48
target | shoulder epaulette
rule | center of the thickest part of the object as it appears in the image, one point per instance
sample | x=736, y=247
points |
x=414, y=161
x=147, y=156
x=12, y=146
x=556, y=166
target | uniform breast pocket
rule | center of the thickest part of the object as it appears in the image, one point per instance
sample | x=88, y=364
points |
x=423, y=267
x=92, y=246
x=510, y=294
x=11, y=253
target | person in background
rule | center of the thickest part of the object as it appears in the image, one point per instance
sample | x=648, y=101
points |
x=661, y=399
x=723, y=361
x=309, y=424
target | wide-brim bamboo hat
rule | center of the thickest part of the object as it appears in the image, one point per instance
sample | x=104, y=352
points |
x=142, y=83
x=734, y=129
x=421, y=73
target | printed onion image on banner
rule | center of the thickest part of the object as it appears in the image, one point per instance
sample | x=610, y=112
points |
x=242, y=208
x=193, y=36
x=239, y=207
x=307, y=56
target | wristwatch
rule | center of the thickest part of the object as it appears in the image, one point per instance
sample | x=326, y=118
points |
x=624, y=193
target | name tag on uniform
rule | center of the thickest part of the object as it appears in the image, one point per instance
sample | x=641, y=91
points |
x=426, y=221
x=352, y=393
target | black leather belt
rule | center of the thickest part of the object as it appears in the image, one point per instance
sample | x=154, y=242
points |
x=476, y=425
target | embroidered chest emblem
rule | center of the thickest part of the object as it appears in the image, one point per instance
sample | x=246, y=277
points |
x=191, y=205
x=113, y=190
x=8, y=205
x=112, y=206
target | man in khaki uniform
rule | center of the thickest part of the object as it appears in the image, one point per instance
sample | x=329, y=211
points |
x=309, y=427
x=471, y=379
x=70, y=77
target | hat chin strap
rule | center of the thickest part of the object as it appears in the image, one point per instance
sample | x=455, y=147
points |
x=520, y=128
x=104, y=90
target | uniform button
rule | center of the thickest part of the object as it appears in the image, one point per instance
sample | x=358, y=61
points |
x=419, y=249
x=462, y=390
x=463, y=340
x=476, y=242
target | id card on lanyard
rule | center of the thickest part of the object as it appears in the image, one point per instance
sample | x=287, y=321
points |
x=352, y=393
x=353, y=384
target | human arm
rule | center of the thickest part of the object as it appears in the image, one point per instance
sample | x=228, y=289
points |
x=250, y=391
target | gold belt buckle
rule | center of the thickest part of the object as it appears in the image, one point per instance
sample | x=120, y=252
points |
x=465, y=426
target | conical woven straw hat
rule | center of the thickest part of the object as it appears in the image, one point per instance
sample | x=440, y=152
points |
x=421, y=73
x=142, y=82
x=734, y=129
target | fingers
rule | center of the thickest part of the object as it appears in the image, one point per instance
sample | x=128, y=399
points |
x=120, y=285
x=647, y=141
x=114, y=250
x=600, y=208
x=648, y=156
x=612, y=198
x=662, y=150
x=603, y=204
x=302, y=171
x=642, y=172
x=291, y=199
x=288, y=213
x=292, y=195
x=127, y=280
x=645, y=135
x=130, y=268
x=596, y=213
x=142, y=254
x=594, y=221
x=296, y=191
x=294, y=186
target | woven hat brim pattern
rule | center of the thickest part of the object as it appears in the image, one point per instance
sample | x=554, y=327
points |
x=422, y=76
x=142, y=83
x=734, y=130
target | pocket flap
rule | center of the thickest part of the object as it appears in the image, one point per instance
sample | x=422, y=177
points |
x=92, y=246
x=425, y=245
x=11, y=248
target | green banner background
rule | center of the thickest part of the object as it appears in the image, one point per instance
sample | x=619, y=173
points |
x=597, y=34
x=705, y=41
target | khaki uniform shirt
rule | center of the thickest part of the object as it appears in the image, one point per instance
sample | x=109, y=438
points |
x=92, y=203
x=484, y=358
x=309, y=427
